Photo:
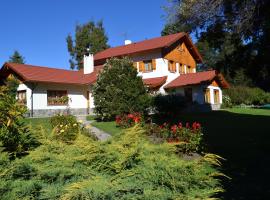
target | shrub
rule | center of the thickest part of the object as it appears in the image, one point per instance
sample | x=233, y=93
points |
x=187, y=138
x=247, y=95
x=66, y=127
x=126, y=167
x=169, y=104
x=128, y=120
x=15, y=136
x=226, y=101
x=119, y=90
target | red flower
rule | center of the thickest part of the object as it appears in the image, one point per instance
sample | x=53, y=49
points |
x=187, y=125
x=130, y=116
x=174, y=128
x=137, y=119
x=180, y=125
x=196, y=126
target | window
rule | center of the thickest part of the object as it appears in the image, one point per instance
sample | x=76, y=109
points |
x=172, y=66
x=181, y=68
x=148, y=67
x=207, y=95
x=189, y=69
x=216, y=96
x=57, y=97
x=188, y=94
x=21, y=96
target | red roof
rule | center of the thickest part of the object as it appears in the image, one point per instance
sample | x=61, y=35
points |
x=155, y=82
x=145, y=45
x=31, y=73
x=197, y=78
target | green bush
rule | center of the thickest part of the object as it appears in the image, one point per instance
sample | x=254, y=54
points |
x=247, y=95
x=15, y=136
x=169, y=104
x=126, y=167
x=119, y=90
x=66, y=127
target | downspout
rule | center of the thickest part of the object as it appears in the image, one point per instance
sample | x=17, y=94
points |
x=32, y=87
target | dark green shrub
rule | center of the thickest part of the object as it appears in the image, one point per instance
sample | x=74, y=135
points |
x=66, y=127
x=169, y=104
x=247, y=95
x=119, y=90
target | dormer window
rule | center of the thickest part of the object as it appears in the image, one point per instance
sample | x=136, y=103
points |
x=171, y=66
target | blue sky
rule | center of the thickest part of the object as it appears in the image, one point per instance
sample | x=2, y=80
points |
x=38, y=28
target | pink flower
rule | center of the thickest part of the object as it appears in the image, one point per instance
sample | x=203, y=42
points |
x=187, y=125
x=180, y=125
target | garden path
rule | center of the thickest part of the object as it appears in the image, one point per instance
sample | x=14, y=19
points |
x=101, y=135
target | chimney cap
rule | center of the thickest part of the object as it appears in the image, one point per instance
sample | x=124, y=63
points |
x=128, y=42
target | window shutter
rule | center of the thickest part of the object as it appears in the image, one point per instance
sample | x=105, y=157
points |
x=174, y=66
x=141, y=66
x=154, y=64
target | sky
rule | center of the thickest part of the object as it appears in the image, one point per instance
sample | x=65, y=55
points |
x=38, y=28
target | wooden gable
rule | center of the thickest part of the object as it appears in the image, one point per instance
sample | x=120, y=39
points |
x=180, y=54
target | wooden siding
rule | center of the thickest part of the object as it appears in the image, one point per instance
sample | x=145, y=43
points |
x=181, y=54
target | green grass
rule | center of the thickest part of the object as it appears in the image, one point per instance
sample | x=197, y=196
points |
x=250, y=111
x=242, y=137
x=37, y=122
x=90, y=117
x=108, y=127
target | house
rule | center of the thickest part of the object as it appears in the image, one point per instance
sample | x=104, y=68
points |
x=167, y=64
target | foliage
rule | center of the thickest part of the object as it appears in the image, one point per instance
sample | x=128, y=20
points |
x=12, y=84
x=128, y=120
x=186, y=138
x=126, y=167
x=226, y=101
x=247, y=95
x=232, y=35
x=90, y=35
x=169, y=104
x=15, y=137
x=16, y=58
x=119, y=90
x=66, y=127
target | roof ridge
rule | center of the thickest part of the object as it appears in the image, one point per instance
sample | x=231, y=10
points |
x=133, y=43
x=37, y=66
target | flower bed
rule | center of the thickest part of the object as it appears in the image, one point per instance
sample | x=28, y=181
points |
x=187, y=138
x=128, y=120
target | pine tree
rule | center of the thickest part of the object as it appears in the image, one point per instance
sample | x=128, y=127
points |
x=16, y=58
x=90, y=35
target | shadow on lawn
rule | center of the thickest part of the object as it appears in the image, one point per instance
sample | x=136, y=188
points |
x=244, y=141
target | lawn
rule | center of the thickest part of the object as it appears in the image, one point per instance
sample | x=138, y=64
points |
x=108, y=127
x=38, y=122
x=242, y=137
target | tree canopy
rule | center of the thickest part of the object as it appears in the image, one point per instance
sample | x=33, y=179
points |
x=16, y=58
x=119, y=90
x=232, y=36
x=88, y=37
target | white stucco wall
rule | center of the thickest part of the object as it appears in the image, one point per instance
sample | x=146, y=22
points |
x=76, y=93
x=22, y=87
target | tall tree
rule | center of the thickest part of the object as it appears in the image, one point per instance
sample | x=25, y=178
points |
x=232, y=35
x=16, y=58
x=88, y=37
